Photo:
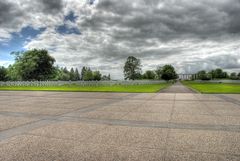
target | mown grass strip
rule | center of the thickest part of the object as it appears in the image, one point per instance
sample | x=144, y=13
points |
x=146, y=88
x=214, y=88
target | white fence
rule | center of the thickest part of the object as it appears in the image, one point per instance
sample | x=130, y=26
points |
x=80, y=83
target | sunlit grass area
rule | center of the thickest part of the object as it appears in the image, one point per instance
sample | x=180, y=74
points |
x=227, y=88
x=148, y=88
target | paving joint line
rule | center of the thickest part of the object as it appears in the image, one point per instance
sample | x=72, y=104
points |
x=11, y=132
x=155, y=100
x=195, y=151
x=8, y=133
x=169, y=130
x=137, y=106
x=229, y=99
x=94, y=107
x=151, y=124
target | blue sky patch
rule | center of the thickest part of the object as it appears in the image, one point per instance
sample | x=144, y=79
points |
x=65, y=29
x=70, y=17
x=17, y=41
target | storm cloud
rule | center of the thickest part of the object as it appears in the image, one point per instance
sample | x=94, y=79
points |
x=191, y=35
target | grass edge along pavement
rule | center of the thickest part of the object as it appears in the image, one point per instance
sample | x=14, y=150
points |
x=213, y=88
x=143, y=88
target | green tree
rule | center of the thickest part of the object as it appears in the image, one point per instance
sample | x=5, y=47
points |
x=33, y=65
x=225, y=75
x=212, y=74
x=106, y=78
x=84, y=69
x=88, y=75
x=132, y=68
x=233, y=76
x=158, y=72
x=65, y=74
x=217, y=73
x=203, y=75
x=149, y=75
x=72, y=75
x=168, y=72
x=12, y=73
x=3, y=74
x=97, y=75
x=220, y=74
x=56, y=73
x=77, y=76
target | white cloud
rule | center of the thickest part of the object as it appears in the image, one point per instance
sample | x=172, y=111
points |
x=5, y=63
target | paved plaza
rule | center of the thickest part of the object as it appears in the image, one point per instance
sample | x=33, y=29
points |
x=68, y=126
x=177, y=87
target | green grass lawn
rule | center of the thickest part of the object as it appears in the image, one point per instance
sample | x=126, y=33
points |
x=150, y=88
x=233, y=88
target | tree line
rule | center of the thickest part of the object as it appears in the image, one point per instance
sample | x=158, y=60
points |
x=217, y=74
x=133, y=71
x=39, y=65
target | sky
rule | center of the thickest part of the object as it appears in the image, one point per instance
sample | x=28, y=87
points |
x=191, y=35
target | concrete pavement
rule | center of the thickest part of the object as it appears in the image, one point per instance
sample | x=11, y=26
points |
x=178, y=87
x=119, y=126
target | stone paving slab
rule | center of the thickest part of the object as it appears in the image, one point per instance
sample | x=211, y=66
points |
x=119, y=126
x=234, y=96
x=132, y=137
x=68, y=130
x=159, y=117
x=8, y=122
x=207, y=141
x=177, y=88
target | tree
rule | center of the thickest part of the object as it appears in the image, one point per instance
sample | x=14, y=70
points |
x=239, y=75
x=219, y=73
x=225, y=75
x=132, y=68
x=3, y=74
x=33, y=65
x=65, y=74
x=233, y=76
x=56, y=75
x=212, y=74
x=203, y=75
x=88, y=74
x=168, y=72
x=84, y=69
x=72, y=75
x=158, y=72
x=77, y=76
x=97, y=75
x=106, y=78
x=149, y=75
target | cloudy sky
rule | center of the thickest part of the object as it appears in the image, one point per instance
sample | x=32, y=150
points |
x=191, y=35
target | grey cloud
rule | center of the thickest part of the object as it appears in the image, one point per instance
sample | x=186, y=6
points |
x=5, y=8
x=9, y=14
x=52, y=6
x=176, y=20
x=232, y=9
x=227, y=62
